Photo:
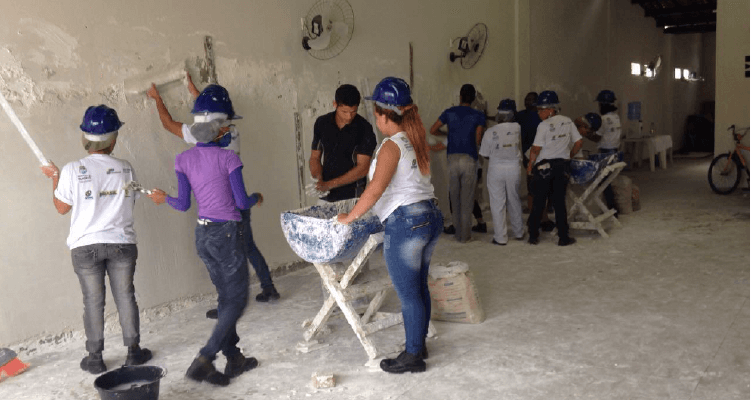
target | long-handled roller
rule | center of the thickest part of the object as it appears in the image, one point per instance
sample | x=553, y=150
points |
x=22, y=130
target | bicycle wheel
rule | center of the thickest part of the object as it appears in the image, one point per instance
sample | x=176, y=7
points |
x=724, y=174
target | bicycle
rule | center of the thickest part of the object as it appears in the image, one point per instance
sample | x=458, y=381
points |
x=725, y=170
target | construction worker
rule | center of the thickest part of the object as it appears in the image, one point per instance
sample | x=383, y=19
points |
x=501, y=144
x=401, y=194
x=465, y=128
x=214, y=103
x=214, y=174
x=102, y=239
x=556, y=142
x=610, y=134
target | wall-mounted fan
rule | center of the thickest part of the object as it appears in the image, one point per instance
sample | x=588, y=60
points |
x=471, y=46
x=653, y=67
x=327, y=28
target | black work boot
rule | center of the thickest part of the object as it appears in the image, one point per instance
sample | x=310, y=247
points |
x=480, y=227
x=93, y=363
x=137, y=355
x=267, y=294
x=202, y=369
x=238, y=364
x=405, y=362
x=212, y=314
x=547, y=226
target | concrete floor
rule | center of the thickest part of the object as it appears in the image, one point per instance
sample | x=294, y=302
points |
x=660, y=310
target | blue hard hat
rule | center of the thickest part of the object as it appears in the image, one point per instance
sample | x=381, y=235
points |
x=594, y=120
x=606, y=96
x=214, y=99
x=99, y=120
x=507, y=105
x=391, y=93
x=547, y=99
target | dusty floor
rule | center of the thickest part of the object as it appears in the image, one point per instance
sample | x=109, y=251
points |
x=660, y=310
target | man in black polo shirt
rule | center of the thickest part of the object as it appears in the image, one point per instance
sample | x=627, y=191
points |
x=343, y=145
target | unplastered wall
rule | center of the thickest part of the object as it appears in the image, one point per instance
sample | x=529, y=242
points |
x=581, y=47
x=732, y=85
x=57, y=58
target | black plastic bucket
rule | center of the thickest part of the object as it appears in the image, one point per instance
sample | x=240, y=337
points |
x=130, y=383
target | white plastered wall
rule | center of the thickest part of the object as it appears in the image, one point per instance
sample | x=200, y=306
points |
x=581, y=47
x=57, y=58
x=732, y=86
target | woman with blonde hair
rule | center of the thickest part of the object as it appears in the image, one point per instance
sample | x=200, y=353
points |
x=401, y=194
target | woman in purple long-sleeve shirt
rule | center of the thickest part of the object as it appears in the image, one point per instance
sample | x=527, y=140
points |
x=214, y=174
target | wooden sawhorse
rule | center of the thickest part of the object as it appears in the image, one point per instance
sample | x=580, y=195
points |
x=342, y=292
x=592, y=193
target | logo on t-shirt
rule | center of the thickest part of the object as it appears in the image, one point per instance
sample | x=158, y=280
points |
x=81, y=170
x=112, y=171
x=107, y=193
x=414, y=163
x=87, y=195
x=552, y=128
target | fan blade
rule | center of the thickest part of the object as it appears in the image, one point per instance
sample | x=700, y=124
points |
x=341, y=29
x=321, y=42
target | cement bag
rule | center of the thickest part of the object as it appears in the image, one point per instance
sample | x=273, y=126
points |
x=453, y=294
x=635, y=203
x=622, y=190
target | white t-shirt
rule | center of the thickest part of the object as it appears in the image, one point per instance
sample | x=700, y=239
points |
x=102, y=211
x=502, y=143
x=610, y=131
x=408, y=185
x=234, y=143
x=556, y=135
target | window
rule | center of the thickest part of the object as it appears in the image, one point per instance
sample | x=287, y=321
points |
x=635, y=69
x=677, y=73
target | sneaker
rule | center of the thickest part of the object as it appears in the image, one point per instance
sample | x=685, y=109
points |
x=93, y=363
x=405, y=362
x=202, y=369
x=499, y=244
x=449, y=230
x=566, y=242
x=547, y=226
x=212, y=314
x=137, y=355
x=533, y=240
x=238, y=364
x=482, y=228
x=267, y=294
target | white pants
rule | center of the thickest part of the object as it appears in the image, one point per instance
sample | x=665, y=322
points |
x=503, y=190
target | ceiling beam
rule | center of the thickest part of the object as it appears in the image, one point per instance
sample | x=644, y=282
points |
x=680, y=10
x=691, y=29
x=686, y=20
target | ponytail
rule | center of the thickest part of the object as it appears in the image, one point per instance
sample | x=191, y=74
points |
x=411, y=122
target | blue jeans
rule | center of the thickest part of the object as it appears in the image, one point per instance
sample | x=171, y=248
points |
x=412, y=232
x=91, y=263
x=221, y=249
x=252, y=253
x=462, y=183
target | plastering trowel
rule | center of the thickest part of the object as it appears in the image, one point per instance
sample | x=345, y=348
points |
x=136, y=86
